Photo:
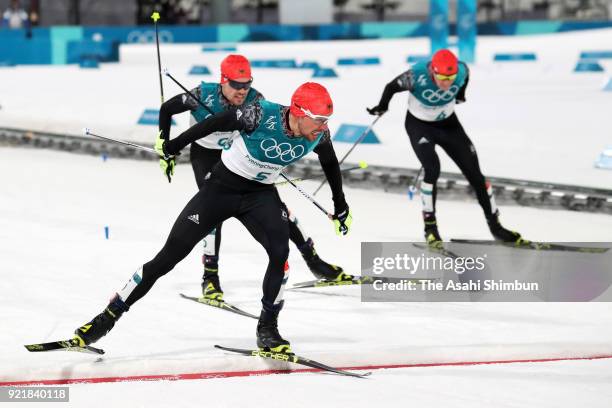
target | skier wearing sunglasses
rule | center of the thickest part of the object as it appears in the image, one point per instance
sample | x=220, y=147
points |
x=269, y=137
x=435, y=87
x=234, y=90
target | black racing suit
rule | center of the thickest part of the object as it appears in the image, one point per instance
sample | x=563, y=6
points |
x=203, y=159
x=225, y=194
x=448, y=134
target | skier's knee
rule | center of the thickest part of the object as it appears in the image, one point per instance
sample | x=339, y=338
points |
x=279, y=252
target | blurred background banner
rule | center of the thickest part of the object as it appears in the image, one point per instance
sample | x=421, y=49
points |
x=67, y=31
x=466, y=30
x=438, y=25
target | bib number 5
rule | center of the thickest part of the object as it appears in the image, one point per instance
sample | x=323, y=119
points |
x=261, y=176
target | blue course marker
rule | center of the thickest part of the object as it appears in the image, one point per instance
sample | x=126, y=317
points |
x=310, y=65
x=509, y=57
x=413, y=59
x=588, y=66
x=151, y=117
x=288, y=63
x=199, y=70
x=324, y=73
x=596, y=55
x=359, y=61
x=350, y=133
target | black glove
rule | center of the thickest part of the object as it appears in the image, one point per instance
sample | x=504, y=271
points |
x=377, y=110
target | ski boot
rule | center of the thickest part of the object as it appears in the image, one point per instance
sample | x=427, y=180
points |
x=268, y=337
x=432, y=236
x=211, y=288
x=319, y=268
x=102, y=323
x=502, y=234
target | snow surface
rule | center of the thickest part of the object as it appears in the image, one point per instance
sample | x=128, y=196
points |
x=59, y=271
x=528, y=120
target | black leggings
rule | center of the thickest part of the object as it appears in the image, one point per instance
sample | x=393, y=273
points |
x=202, y=161
x=226, y=195
x=448, y=134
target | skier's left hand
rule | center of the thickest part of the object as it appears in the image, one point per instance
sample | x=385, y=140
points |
x=377, y=110
x=166, y=162
x=342, y=221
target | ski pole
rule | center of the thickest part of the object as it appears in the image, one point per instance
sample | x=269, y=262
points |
x=412, y=189
x=305, y=194
x=155, y=17
x=362, y=165
x=363, y=135
x=88, y=132
x=167, y=73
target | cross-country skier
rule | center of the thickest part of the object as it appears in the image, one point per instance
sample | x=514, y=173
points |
x=241, y=185
x=234, y=90
x=435, y=87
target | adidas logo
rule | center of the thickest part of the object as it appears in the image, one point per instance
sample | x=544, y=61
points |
x=423, y=140
x=195, y=218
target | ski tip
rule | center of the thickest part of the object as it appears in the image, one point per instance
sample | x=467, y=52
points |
x=356, y=375
x=90, y=349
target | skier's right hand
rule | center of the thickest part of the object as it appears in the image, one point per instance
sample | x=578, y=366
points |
x=377, y=110
x=167, y=166
x=166, y=162
x=342, y=221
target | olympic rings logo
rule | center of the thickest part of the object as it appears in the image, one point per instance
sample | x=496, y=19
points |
x=440, y=95
x=148, y=36
x=284, y=151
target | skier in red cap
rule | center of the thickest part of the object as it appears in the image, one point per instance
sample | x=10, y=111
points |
x=233, y=90
x=268, y=137
x=435, y=87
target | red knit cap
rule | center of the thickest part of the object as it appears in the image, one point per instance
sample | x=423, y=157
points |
x=313, y=97
x=444, y=62
x=235, y=66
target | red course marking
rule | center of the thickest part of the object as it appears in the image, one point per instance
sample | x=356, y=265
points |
x=228, y=374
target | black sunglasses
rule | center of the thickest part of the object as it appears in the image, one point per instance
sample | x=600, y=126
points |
x=239, y=85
